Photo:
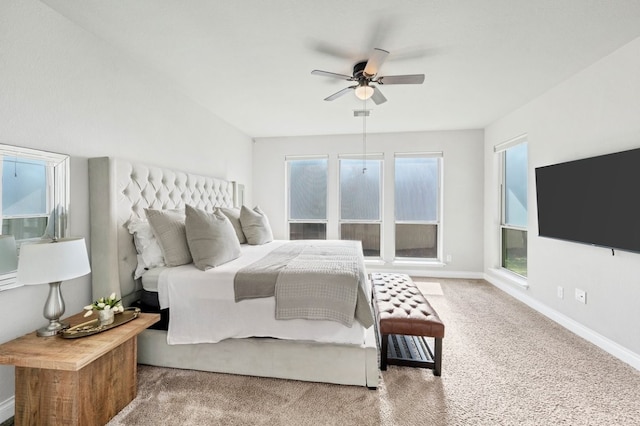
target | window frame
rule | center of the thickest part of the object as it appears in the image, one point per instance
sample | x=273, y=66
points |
x=439, y=208
x=325, y=221
x=380, y=222
x=58, y=195
x=502, y=149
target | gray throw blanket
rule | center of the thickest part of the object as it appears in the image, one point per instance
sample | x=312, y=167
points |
x=310, y=280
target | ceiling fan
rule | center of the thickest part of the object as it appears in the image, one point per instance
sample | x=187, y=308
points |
x=365, y=73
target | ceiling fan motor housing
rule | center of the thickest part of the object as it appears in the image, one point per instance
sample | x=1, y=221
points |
x=358, y=71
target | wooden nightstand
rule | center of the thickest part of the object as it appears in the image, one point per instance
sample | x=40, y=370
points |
x=84, y=381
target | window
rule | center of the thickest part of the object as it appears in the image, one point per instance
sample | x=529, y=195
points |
x=514, y=208
x=25, y=204
x=360, y=202
x=307, y=198
x=33, y=199
x=417, y=205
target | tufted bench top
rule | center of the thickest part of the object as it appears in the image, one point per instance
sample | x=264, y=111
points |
x=402, y=309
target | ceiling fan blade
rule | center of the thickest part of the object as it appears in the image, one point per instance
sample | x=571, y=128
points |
x=401, y=79
x=375, y=61
x=332, y=74
x=340, y=93
x=378, y=97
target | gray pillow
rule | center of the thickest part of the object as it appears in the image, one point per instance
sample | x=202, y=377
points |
x=255, y=226
x=234, y=217
x=211, y=238
x=168, y=227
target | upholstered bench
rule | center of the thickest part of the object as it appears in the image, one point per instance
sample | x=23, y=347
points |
x=404, y=318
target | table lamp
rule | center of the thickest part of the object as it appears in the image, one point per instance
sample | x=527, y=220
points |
x=52, y=263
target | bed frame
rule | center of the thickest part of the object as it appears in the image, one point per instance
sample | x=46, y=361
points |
x=121, y=190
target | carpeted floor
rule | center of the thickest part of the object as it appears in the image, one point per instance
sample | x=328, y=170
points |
x=503, y=364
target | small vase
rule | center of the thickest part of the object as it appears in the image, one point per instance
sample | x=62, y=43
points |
x=105, y=316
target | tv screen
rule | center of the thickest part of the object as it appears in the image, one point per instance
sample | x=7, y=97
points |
x=594, y=200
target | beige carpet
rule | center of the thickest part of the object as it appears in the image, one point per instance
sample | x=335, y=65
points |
x=503, y=364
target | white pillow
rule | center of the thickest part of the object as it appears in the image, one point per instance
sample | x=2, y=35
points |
x=211, y=238
x=168, y=227
x=147, y=247
x=255, y=226
x=234, y=217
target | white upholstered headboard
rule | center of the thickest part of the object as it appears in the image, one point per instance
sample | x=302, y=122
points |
x=121, y=190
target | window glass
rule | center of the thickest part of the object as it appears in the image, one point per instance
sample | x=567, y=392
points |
x=416, y=240
x=360, y=189
x=417, y=184
x=307, y=231
x=515, y=212
x=24, y=187
x=308, y=189
x=307, y=197
x=367, y=233
x=515, y=184
x=416, y=189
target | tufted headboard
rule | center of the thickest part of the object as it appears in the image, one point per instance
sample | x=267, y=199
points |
x=119, y=191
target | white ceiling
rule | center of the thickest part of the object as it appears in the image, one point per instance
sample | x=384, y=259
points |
x=250, y=61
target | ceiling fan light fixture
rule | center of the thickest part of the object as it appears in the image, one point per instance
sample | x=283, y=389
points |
x=364, y=92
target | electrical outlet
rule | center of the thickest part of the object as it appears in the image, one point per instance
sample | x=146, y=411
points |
x=560, y=292
x=581, y=296
x=449, y=258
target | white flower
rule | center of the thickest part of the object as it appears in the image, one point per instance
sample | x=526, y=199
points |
x=86, y=314
x=113, y=296
x=101, y=305
x=88, y=308
x=106, y=308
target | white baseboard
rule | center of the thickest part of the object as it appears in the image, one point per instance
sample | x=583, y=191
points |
x=7, y=408
x=615, y=349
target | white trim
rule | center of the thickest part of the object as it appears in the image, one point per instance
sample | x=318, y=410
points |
x=367, y=155
x=613, y=348
x=305, y=157
x=7, y=408
x=503, y=146
x=506, y=277
x=431, y=270
x=9, y=280
x=434, y=154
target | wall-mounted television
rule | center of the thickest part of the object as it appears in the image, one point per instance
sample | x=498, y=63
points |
x=593, y=200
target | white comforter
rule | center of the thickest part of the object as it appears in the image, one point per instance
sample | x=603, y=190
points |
x=203, y=309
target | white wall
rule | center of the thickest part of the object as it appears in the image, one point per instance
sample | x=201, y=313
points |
x=597, y=111
x=462, y=180
x=63, y=90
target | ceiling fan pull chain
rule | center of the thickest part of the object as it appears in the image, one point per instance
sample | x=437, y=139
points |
x=364, y=137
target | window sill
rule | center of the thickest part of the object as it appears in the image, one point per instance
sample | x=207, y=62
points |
x=509, y=277
x=407, y=262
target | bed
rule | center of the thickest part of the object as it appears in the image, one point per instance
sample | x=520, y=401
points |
x=119, y=192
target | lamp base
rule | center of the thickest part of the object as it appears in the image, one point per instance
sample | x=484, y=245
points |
x=52, y=329
x=53, y=310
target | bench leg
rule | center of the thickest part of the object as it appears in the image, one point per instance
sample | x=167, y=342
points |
x=383, y=352
x=437, y=368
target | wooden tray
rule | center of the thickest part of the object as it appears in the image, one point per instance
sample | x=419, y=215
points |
x=93, y=326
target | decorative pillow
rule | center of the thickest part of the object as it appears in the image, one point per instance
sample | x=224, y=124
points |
x=168, y=227
x=234, y=217
x=255, y=226
x=211, y=238
x=149, y=251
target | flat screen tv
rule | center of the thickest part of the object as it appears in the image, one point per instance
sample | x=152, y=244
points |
x=593, y=200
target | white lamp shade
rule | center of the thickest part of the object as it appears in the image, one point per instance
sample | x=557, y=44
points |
x=364, y=92
x=8, y=254
x=43, y=263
